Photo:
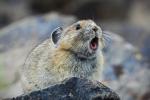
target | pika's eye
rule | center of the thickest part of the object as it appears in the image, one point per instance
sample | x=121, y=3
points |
x=78, y=26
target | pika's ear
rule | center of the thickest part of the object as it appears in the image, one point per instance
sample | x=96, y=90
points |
x=55, y=35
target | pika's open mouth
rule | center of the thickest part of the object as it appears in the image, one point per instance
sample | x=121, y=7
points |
x=87, y=52
x=94, y=44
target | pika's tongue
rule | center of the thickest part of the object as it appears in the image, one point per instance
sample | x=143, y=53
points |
x=94, y=43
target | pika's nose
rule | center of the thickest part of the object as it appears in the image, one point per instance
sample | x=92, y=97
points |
x=91, y=30
x=95, y=29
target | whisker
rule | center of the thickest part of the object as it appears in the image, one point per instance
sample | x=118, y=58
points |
x=107, y=38
x=106, y=34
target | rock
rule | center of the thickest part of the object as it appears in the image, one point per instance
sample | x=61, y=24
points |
x=73, y=89
x=130, y=33
x=146, y=49
x=127, y=57
x=32, y=28
x=12, y=10
x=4, y=20
x=133, y=86
x=125, y=70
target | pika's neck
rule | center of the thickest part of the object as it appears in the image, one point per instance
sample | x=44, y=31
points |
x=67, y=62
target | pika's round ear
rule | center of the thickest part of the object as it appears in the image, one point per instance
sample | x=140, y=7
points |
x=55, y=35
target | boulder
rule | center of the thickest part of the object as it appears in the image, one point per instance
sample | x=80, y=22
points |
x=73, y=89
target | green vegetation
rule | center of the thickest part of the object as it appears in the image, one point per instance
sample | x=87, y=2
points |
x=3, y=83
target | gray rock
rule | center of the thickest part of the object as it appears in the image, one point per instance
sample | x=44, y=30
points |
x=73, y=89
x=127, y=58
x=32, y=28
x=125, y=70
x=134, y=86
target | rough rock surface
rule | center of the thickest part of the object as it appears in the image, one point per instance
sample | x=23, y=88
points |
x=32, y=28
x=73, y=89
x=127, y=60
x=125, y=70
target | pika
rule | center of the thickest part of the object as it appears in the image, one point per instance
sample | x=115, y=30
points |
x=75, y=51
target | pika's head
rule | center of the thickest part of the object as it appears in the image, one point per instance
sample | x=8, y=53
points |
x=83, y=38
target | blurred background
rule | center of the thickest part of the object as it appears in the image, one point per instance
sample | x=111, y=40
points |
x=26, y=23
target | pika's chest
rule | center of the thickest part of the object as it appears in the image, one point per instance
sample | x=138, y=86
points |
x=83, y=68
x=68, y=65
